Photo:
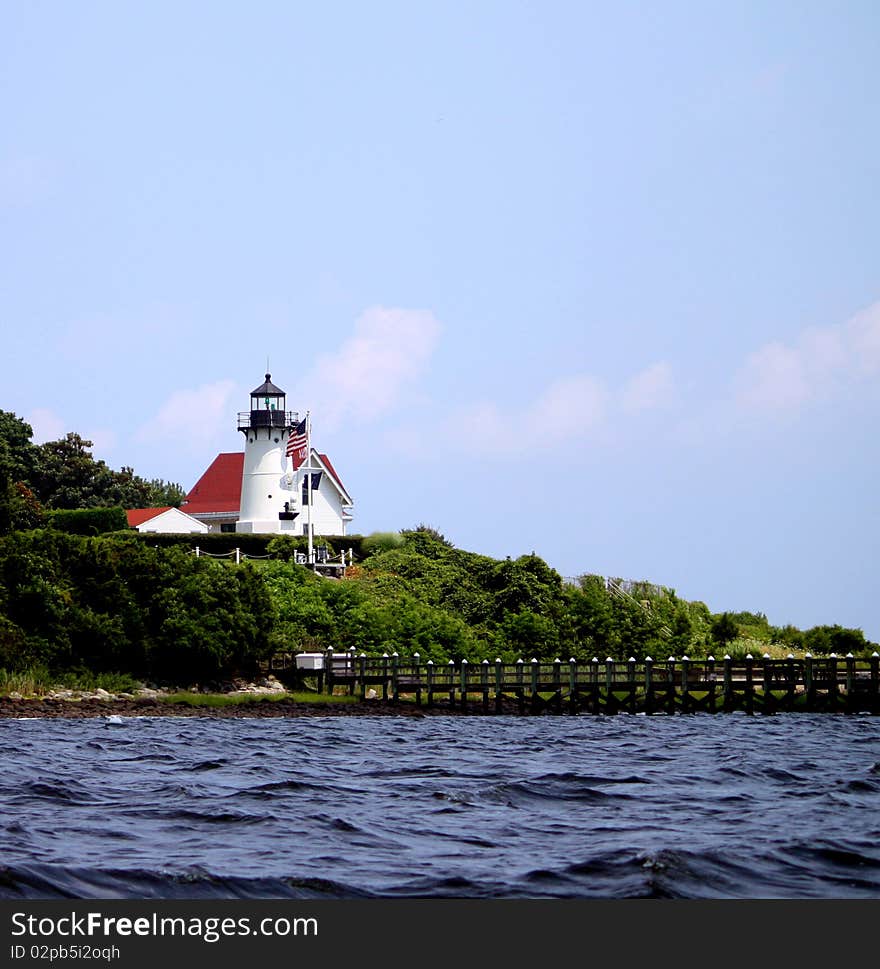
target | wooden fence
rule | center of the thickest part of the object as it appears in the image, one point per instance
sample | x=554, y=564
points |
x=764, y=685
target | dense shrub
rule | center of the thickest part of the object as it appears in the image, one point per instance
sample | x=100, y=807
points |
x=87, y=521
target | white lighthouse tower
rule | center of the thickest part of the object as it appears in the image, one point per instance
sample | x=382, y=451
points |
x=268, y=492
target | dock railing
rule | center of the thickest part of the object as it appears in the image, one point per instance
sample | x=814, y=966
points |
x=609, y=685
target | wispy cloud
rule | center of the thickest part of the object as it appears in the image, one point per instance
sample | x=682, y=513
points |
x=50, y=426
x=567, y=409
x=650, y=389
x=368, y=375
x=206, y=409
x=781, y=378
x=863, y=335
x=47, y=425
x=566, y=412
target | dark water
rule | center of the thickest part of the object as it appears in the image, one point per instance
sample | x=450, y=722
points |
x=338, y=807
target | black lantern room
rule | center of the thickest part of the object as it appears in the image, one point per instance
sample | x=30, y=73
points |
x=268, y=405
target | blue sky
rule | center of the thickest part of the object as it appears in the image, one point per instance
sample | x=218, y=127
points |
x=600, y=281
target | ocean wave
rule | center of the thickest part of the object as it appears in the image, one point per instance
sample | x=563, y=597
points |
x=57, y=881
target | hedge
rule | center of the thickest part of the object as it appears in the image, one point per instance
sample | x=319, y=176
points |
x=221, y=543
x=87, y=521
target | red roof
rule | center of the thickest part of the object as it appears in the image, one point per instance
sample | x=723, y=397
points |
x=332, y=471
x=137, y=516
x=219, y=488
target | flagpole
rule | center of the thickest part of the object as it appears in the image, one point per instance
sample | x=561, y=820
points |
x=309, y=479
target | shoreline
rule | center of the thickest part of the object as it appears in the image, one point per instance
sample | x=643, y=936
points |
x=36, y=708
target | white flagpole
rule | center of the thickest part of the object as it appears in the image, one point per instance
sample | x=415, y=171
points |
x=309, y=482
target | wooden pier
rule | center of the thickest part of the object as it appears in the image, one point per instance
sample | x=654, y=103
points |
x=762, y=685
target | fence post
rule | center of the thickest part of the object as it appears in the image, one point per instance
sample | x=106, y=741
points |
x=520, y=695
x=750, y=686
x=463, y=672
x=728, y=683
x=384, y=676
x=832, y=681
x=790, y=680
x=451, y=673
x=417, y=659
x=328, y=670
x=484, y=684
x=351, y=664
x=499, y=683
x=557, y=683
x=685, y=684
x=769, y=700
x=609, y=685
x=197, y=551
x=631, y=682
x=710, y=675
x=238, y=556
x=429, y=669
x=850, y=679
x=395, y=674
x=809, y=689
x=649, y=684
x=670, y=685
x=875, y=676
x=362, y=674
x=572, y=684
x=534, y=666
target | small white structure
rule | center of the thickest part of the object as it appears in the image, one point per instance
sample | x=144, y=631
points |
x=268, y=484
x=331, y=504
x=280, y=484
x=166, y=520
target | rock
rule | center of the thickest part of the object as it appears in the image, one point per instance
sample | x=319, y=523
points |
x=61, y=695
x=103, y=694
x=15, y=695
x=147, y=692
x=372, y=695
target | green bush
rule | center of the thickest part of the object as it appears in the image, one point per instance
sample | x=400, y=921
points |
x=381, y=542
x=87, y=521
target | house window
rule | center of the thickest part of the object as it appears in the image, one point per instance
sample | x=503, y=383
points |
x=227, y=526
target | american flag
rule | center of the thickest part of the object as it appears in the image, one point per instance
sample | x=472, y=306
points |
x=297, y=444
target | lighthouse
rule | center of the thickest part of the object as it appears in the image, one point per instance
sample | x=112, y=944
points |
x=268, y=485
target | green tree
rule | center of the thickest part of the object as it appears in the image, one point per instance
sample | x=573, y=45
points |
x=724, y=630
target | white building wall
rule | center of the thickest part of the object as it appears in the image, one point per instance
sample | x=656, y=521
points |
x=264, y=484
x=172, y=522
x=327, y=517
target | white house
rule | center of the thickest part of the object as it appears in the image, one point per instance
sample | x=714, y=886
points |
x=280, y=484
x=166, y=520
x=215, y=499
x=330, y=510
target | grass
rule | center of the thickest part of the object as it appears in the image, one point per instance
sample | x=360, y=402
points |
x=38, y=681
